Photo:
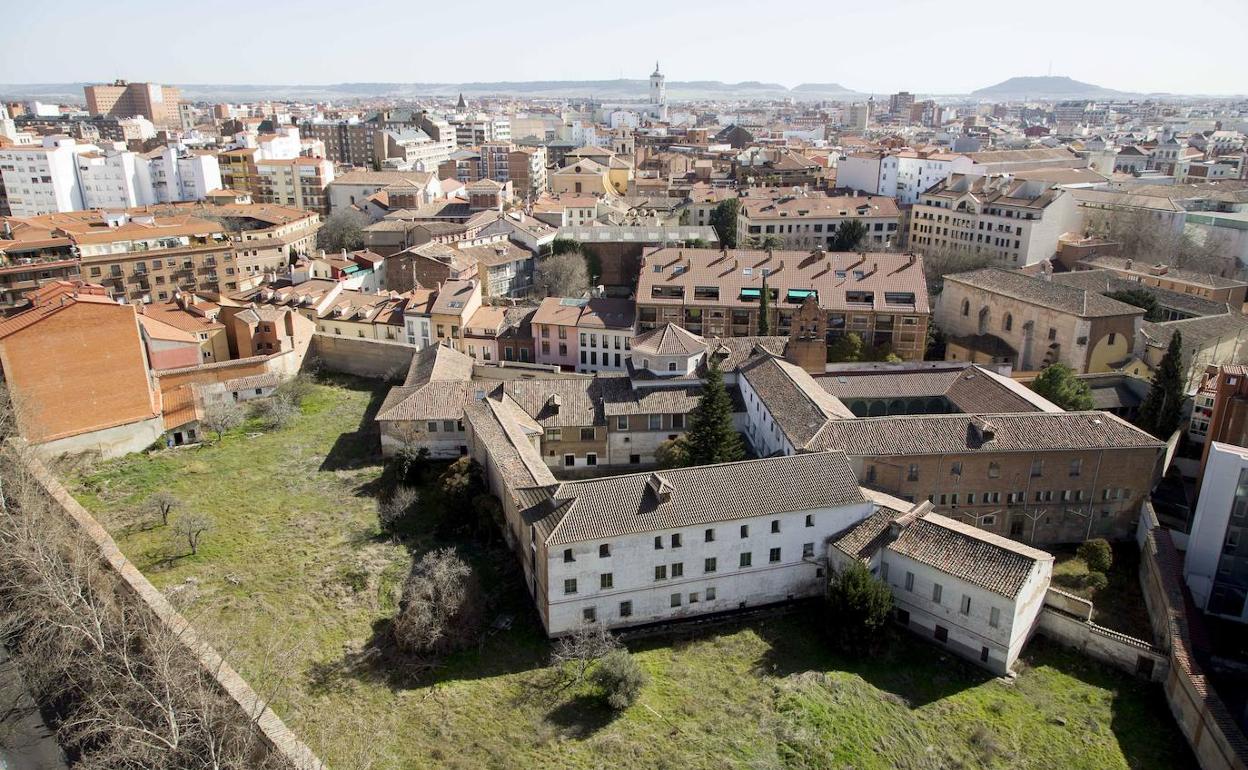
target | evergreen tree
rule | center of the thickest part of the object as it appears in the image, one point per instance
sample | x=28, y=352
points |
x=849, y=236
x=724, y=220
x=858, y=607
x=1058, y=384
x=711, y=437
x=764, y=309
x=1161, y=411
x=846, y=349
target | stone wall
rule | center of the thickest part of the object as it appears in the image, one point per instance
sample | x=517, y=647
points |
x=1203, y=717
x=1132, y=655
x=362, y=357
x=251, y=707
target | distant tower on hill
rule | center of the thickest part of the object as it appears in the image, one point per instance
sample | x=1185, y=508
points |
x=461, y=105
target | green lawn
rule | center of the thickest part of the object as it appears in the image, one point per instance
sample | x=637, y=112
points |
x=293, y=584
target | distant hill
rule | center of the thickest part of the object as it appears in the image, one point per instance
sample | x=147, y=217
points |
x=1050, y=87
x=601, y=90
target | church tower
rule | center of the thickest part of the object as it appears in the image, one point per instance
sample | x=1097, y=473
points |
x=808, y=345
x=658, y=89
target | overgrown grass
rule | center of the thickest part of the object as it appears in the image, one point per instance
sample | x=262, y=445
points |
x=294, y=584
x=1120, y=604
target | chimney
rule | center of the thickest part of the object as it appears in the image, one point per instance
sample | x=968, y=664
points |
x=554, y=402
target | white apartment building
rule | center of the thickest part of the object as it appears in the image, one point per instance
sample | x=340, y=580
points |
x=1216, y=564
x=180, y=175
x=918, y=172
x=874, y=173
x=43, y=179
x=114, y=178
x=472, y=130
x=648, y=547
x=1016, y=222
x=976, y=593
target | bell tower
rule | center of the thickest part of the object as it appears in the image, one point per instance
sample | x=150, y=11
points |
x=808, y=343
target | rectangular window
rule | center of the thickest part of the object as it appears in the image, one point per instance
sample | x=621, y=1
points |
x=942, y=634
x=808, y=550
x=590, y=614
x=675, y=600
x=676, y=540
x=710, y=536
x=955, y=469
x=626, y=609
x=745, y=530
x=810, y=519
x=591, y=459
x=1076, y=467
x=710, y=564
x=774, y=556
x=660, y=572
x=909, y=581
x=567, y=555
x=937, y=591
x=569, y=586
x=994, y=617
x=606, y=580
x=966, y=605
x=775, y=526
x=693, y=597
x=710, y=594
x=604, y=550
x=569, y=460
x=621, y=422
x=745, y=559
x=1037, y=468
x=587, y=434
x=678, y=569
x=658, y=542
x=655, y=422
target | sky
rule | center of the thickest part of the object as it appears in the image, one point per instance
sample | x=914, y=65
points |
x=877, y=47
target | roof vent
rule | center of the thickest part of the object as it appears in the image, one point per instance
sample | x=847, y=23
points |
x=660, y=487
x=554, y=402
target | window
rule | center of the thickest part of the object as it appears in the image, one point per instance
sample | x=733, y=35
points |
x=678, y=569
x=808, y=550
x=626, y=609
x=660, y=572
x=965, y=609
x=774, y=556
x=656, y=422
x=709, y=536
x=745, y=530
x=675, y=600
x=693, y=597
x=942, y=634
x=569, y=586
x=884, y=571
x=678, y=422
x=431, y=426
x=1076, y=467
x=937, y=591
x=569, y=460
x=909, y=581
x=810, y=519
x=589, y=614
x=710, y=564
x=1037, y=468
x=745, y=559
x=913, y=473
x=676, y=540
x=567, y=555
x=658, y=542
x=621, y=422
x=710, y=594
x=591, y=459
x=955, y=469
x=994, y=470
x=606, y=580
x=994, y=617
x=604, y=550
x=775, y=526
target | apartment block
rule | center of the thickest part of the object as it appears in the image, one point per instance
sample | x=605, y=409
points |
x=812, y=220
x=584, y=335
x=882, y=297
x=1215, y=566
x=121, y=99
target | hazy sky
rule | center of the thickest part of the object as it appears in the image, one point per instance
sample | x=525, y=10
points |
x=881, y=46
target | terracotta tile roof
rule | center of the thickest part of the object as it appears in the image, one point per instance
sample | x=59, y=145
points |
x=437, y=387
x=876, y=281
x=1044, y=293
x=862, y=540
x=963, y=433
x=968, y=553
x=968, y=388
x=818, y=206
x=669, y=340
x=33, y=316
x=622, y=505
x=796, y=401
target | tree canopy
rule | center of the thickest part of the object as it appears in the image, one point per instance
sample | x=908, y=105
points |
x=849, y=236
x=858, y=605
x=1162, y=409
x=562, y=275
x=1059, y=384
x=712, y=438
x=344, y=229
x=724, y=220
x=1141, y=298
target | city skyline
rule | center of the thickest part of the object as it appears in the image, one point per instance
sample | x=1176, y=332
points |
x=905, y=53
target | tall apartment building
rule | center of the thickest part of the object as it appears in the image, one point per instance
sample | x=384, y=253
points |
x=527, y=170
x=479, y=128
x=363, y=142
x=874, y=173
x=881, y=297
x=900, y=105
x=121, y=99
x=1016, y=222
x=1216, y=563
x=811, y=220
x=43, y=179
x=299, y=182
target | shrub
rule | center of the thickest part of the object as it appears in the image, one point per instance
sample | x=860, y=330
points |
x=620, y=679
x=673, y=453
x=1095, y=581
x=858, y=606
x=1097, y=554
x=297, y=388
x=394, y=513
x=276, y=412
x=441, y=607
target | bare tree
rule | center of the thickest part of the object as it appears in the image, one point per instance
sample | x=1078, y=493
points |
x=222, y=416
x=190, y=529
x=575, y=653
x=343, y=229
x=163, y=503
x=277, y=411
x=562, y=275
x=393, y=510
x=441, y=607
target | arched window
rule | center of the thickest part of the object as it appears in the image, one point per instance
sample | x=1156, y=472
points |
x=1008, y=322
x=966, y=307
x=984, y=318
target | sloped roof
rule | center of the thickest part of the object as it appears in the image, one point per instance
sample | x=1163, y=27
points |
x=968, y=553
x=1045, y=293
x=669, y=340
x=796, y=401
